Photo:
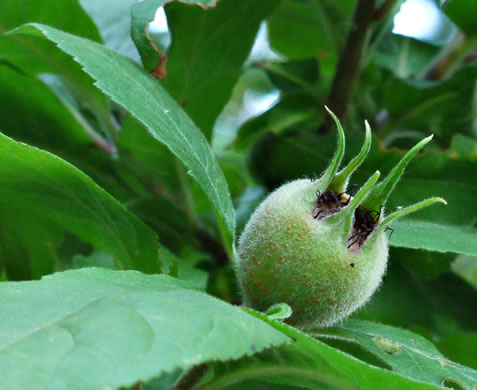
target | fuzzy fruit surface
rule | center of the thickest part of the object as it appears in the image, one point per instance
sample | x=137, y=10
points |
x=286, y=255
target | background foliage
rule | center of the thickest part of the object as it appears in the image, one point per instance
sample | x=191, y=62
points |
x=103, y=165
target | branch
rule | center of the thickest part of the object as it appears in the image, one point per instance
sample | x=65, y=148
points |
x=349, y=64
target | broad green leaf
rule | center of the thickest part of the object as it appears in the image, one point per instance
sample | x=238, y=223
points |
x=39, y=119
x=407, y=353
x=42, y=120
x=68, y=16
x=462, y=13
x=308, y=363
x=438, y=107
x=404, y=56
x=49, y=187
x=142, y=95
x=94, y=329
x=28, y=244
x=35, y=56
x=409, y=301
x=209, y=48
x=151, y=162
x=301, y=30
x=293, y=77
x=414, y=233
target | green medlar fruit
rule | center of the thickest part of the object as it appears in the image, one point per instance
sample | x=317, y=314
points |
x=320, y=250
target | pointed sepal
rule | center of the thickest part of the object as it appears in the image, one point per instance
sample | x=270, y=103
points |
x=340, y=181
x=338, y=157
x=408, y=210
x=381, y=192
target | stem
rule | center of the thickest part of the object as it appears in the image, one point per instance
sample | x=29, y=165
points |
x=349, y=63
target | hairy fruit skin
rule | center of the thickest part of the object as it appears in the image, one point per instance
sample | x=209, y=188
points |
x=319, y=250
x=288, y=256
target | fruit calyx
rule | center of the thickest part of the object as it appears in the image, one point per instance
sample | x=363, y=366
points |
x=362, y=214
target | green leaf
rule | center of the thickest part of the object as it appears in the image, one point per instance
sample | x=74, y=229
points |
x=151, y=162
x=209, y=48
x=419, y=234
x=437, y=107
x=142, y=95
x=404, y=56
x=41, y=120
x=54, y=190
x=462, y=13
x=36, y=56
x=68, y=16
x=28, y=244
x=95, y=329
x=293, y=77
x=308, y=363
x=407, y=353
x=409, y=301
x=142, y=14
x=301, y=30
